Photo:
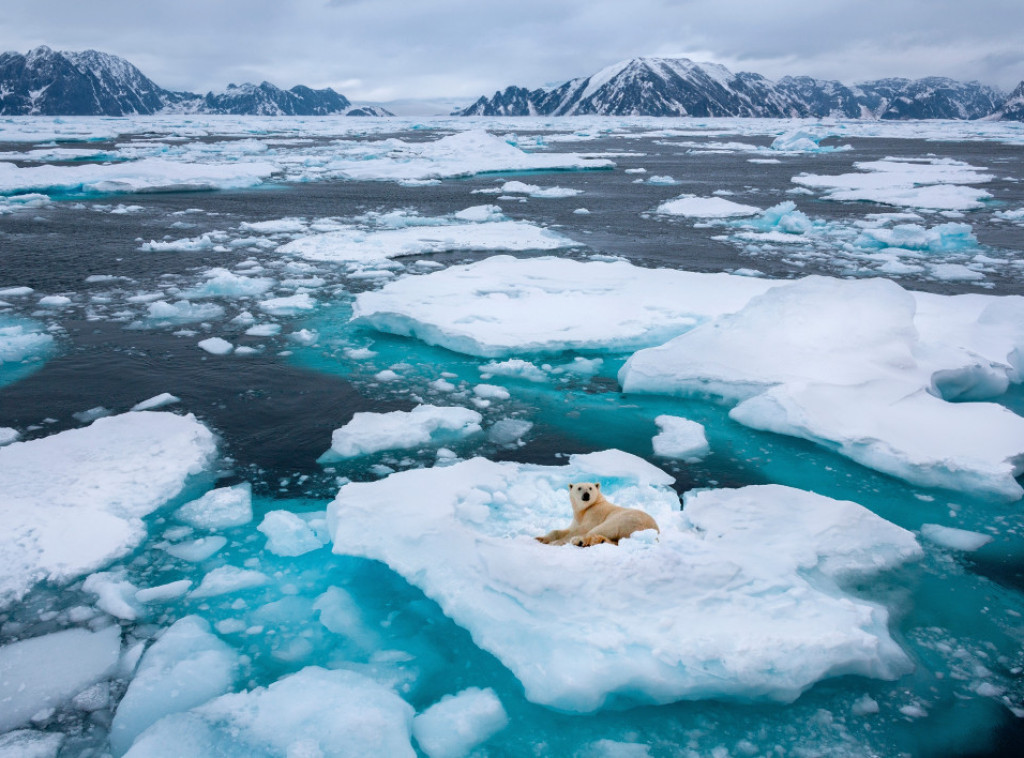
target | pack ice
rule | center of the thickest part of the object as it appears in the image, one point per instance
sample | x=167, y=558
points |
x=73, y=502
x=867, y=369
x=740, y=596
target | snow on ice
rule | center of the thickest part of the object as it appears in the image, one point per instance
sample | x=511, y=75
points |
x=863, y=367
x=760, y=615
x=73, y=501
x=372, y=432
x=705, y=207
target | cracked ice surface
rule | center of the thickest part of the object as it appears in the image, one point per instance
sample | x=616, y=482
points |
x=759, y=613
x=73, y=502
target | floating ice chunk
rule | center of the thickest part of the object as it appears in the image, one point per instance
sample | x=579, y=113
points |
x=148, y=175
x=614, y=749
x=355, y=245
x=508, y=431
x=115, y=594
x=491, y=392
x=87, y=417
x=163, y=313
x=8, y=435
x=315, y=712
x=187, y=666
x=220, y=508
x=203, y=243
x=157, y=401
x=783, y=217
x=288, y=535
x=28, y=743
x=308, y=337
x=849, y=365
x=464, y=154
x=54, y=301
x=164, y=592
x=954, y=539
x=196, y=551
x=705, y=207
x=223, y=283
x=44, y=672
x=229, y=579
x=932, y=184
x=514, y=368
x=954, y=272
x=263, y=330
x=662, y=180
x=533, y=190
x=944, y=238
x=865, y=706
x=481, y=213
x=503, y=305
x=216, y=346
x=288, y=225
x=22, y=340
x=455, y=725
x=804, y=141
x=292, y=305
x=398, y=430
x=15, y=291
x=680, y=438
x=760, y=614
x=74, y=501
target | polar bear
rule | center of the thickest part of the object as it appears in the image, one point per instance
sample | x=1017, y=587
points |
x=596, y=520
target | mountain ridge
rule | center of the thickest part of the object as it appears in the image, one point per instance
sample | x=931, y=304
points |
x=46, y=82
x=649, y=86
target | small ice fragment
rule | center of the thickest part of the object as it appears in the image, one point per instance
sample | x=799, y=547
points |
x=954, y=539
x=227, y=579
x=219, y=508
x=454, y=726
x=163, y=592
x=680, y=438
x=287, y=534
x=216, y=346
x=157, y=401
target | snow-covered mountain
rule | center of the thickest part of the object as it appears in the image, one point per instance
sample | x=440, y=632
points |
x=681, y=87
x=46, y=82
x=1012, y=109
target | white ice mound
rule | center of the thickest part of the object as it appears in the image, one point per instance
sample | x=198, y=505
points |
x=363, y=246
x=186, y=667
x=74, y=501
x=22, y=340
x=401, y=430
x=737, y=597
x=463, y=154
x=315, y=712
x=147, y=175
x=505, y=305
x=931, y=184
x=864, y=368
x=705, y=207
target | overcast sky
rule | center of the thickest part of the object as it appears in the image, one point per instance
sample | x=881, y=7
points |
x=380, y=50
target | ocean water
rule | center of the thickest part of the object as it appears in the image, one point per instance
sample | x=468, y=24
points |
x=109, y=252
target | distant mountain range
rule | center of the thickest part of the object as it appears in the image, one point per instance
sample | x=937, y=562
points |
x=46, y=82
x=680, y=87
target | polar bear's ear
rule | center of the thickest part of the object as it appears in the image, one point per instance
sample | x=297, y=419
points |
x=597, y=484
x=570, y=487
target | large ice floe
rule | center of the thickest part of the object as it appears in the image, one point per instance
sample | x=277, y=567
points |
x=74, y=501
x=931, y=184
x=867, y=369
x=740, y=596
x=505, y=305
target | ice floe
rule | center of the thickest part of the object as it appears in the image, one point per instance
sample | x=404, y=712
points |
x=680, y=438
x=74, y=501
x=931, y=184
x=862, y=367
x=314, y=712
x=705, y=207
x=759, y=612
x=44, y=672
x=398, y=430
x=503, y=305
x=454, y=726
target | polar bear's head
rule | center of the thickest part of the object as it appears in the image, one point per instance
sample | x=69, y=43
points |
x=584, y=494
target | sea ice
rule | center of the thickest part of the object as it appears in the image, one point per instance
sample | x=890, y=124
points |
x=760, y=615
x=22, y=340
x=705, y=207
x=216, y=346
x=219, y=508
x=8, y=435
x=74, y=501
x=147, y=175
x=43, y=672
x=28, y=743
x=504, y=305
x=931, y=184
x=454, y=726
x=164, y=313
x=851, y=365
x=804, y=141
x=223, y=283
x=533, y=190
x=291, y=305
x=463, y=154
x=157, y=401
x=367, y=246
x=372, y=432
x=680, y=438
x=314, y=712
x=229, y=579
x=288, y=534
x=187, y=666
x=955, y=539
